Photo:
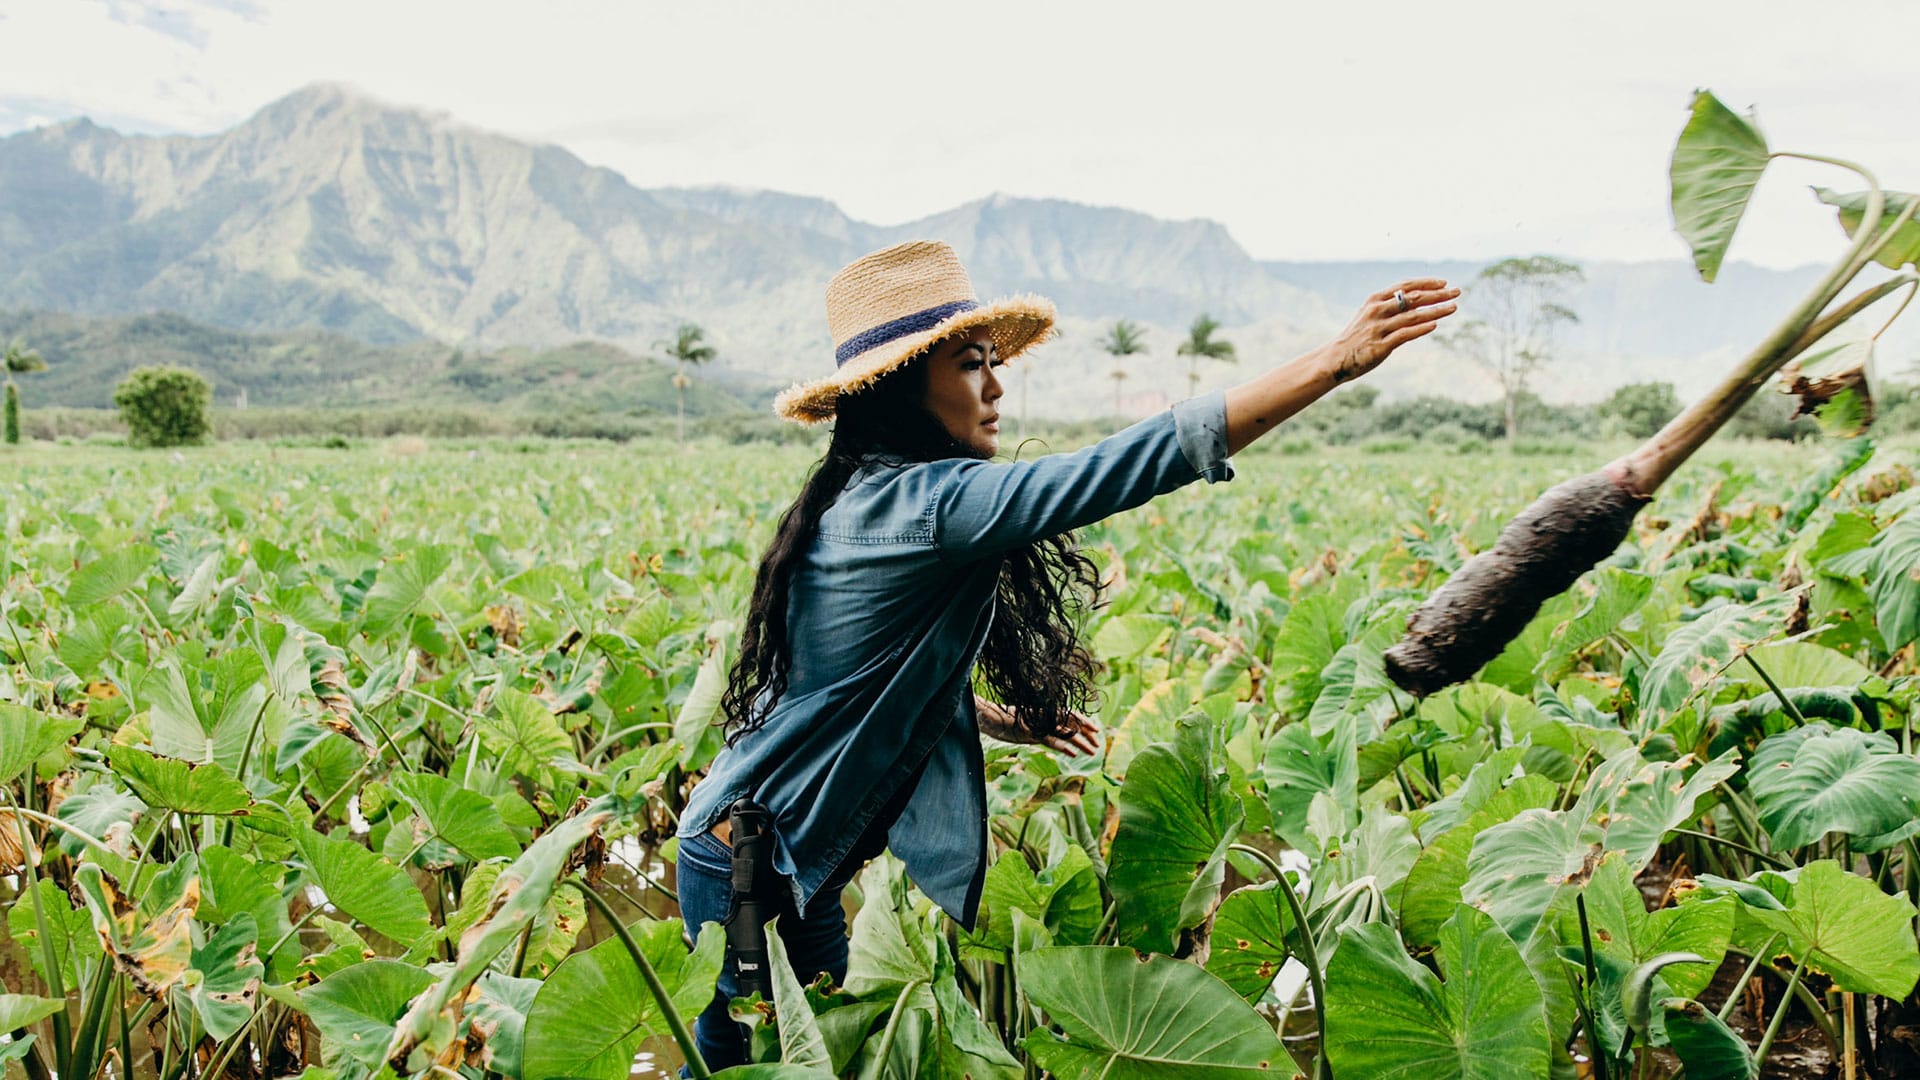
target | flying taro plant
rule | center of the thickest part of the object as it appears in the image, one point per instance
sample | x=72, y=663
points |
x=1567, y=531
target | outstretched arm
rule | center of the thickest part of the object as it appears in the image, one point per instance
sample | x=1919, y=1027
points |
x=1258, y=405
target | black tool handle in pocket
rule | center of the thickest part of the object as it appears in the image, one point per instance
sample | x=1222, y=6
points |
x=753, y=904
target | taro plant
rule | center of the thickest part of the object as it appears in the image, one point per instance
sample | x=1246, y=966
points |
x=1716, y=166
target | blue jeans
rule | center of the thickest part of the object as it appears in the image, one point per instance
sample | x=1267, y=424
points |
x=816, y=942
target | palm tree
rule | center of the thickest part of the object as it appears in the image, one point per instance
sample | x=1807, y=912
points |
x=1200, y=343
x=688, y=347
x=18, y=360
x=1123, y=339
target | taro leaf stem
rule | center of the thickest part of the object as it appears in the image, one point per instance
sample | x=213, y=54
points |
x=1737, y=846
x=62, y=1031
x=1645, y=469
x=1308, y=954
x=1779, y=1014
x=1746, y=977
x=696, y=1065
x=1785, y=702
x=1596, y=1050
x=879, y=1064
x=220, y=1069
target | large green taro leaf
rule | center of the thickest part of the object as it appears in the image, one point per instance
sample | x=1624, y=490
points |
x=523, y=732
x=1814, y=780
x=206, y=713
x=518, y=897
x=179, y=785
x=375, y=892
x=1178, y=813
x=355, y=1009
x=1518, y=867
x=1299, y=767
x=1432, y=888
x=1622, y=928
x=1905, y=245
x=1716, y=165
x=1696, y=652
x=108, y=576
x=225, y=977
x=1641, y=801
x=70, y=937
x=463, y=818
x=800, y=1040
x=595, y=1010
x=1708, y=1048
x=1388, y=1017
x=1127, y=1020
x=1064, y=897
x=496, y=1012
x=26, y=734
x=1249, y=941
x=1792, y=664
x=890, y=946
x=402, y=585
x=1893, y=581
x=1841, y=924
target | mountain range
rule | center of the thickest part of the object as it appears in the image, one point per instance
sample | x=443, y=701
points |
x=331, y=210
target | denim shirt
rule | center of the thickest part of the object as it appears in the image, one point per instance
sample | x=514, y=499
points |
x=887, y=611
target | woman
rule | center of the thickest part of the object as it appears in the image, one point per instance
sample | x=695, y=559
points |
x=909, y=558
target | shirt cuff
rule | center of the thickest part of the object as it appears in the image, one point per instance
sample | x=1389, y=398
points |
x=1201, y=426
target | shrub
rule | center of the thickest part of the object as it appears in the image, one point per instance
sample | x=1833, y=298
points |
x=1471, y=445
x=1543, y=448
x=1641, y=409
x=1445, y=435
x=165, y=406
x=1386, y=445
x=1295, y=447
x=13, y=415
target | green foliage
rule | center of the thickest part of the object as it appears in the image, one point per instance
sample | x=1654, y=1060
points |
x=1641, y=409
x=1389, y=1017
x=165, y=406
x=1716, y=165
x=1127, y=1020
x=12, y=419
x=372, y=676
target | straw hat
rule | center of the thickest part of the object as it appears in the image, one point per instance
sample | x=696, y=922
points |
x=888, y=307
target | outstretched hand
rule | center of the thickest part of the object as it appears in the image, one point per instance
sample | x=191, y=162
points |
x=1081, y=737
x=1389, y=319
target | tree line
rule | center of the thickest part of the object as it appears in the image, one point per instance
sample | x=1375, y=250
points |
x=1519, y=304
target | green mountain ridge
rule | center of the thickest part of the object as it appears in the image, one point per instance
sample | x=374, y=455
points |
x=88, y=355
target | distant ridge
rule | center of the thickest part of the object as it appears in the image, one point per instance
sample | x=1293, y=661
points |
x=333, y=211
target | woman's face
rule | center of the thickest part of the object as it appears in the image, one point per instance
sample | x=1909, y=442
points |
x=963, y=389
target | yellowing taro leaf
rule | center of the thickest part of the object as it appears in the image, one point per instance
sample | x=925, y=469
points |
x=1905, y=245
x=1832, y=386
x=153, y=955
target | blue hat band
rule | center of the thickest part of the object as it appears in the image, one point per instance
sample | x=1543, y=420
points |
x=915, y=323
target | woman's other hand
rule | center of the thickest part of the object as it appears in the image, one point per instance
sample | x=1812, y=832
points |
x=1082, y=736
x=1389, y=319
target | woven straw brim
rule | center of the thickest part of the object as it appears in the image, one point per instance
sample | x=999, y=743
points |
x=1017, y=323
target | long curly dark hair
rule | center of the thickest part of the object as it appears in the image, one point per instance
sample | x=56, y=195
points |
x=1032, y=660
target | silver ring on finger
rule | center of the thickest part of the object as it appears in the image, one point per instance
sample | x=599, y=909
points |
x=1401, y=299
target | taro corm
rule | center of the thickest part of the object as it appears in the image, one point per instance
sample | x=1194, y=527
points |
x=1567, y=531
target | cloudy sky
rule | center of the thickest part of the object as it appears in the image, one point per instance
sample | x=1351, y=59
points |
x=1328, y=130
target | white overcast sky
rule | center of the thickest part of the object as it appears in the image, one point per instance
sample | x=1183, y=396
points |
x=1331, y=130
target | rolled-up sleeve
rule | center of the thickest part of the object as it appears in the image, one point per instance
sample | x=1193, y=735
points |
x=979, y=508
x=1202, y=426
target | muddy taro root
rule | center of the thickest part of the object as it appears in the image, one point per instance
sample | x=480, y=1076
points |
x=1540, y=553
